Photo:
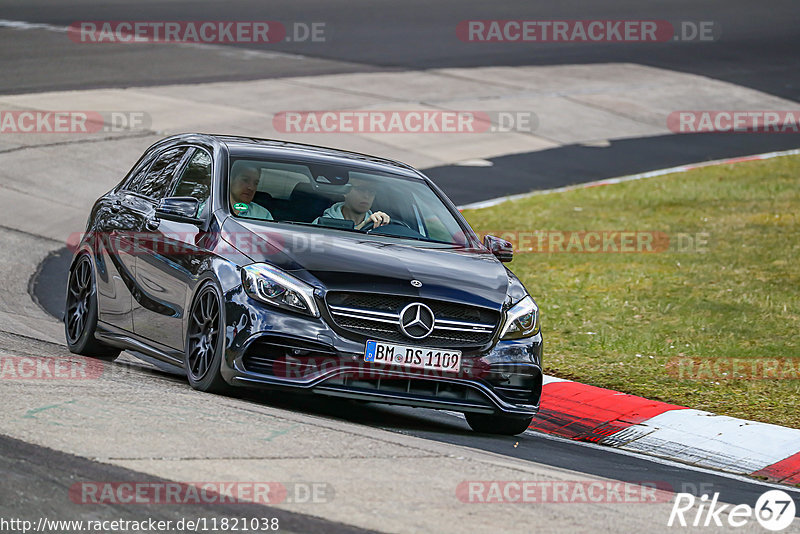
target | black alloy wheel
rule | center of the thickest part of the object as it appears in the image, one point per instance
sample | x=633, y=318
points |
x=80, y=318
x=204, y=344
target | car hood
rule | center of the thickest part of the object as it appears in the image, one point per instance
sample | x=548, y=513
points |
x=338, y=260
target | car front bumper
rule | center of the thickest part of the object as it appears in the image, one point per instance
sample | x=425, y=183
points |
x=269, y=348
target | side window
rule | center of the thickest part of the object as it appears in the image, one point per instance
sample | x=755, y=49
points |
x=137, y=174
x=156, y=182
x=195, y=181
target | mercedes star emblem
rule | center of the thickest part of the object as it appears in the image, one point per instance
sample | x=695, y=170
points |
x=417, y=320
x=416, y=283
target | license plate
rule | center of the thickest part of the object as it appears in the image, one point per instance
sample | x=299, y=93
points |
x=410, y=357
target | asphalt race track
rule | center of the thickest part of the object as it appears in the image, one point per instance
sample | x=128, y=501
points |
x=36, y=473
x=71, y=432
x=449, y=428
x=758, y=49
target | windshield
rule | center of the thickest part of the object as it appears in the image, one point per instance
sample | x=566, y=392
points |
x=341, y=198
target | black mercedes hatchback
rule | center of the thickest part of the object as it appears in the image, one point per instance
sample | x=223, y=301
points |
x=259, y=263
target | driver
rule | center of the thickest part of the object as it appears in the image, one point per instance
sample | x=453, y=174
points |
x=244, y=185
x=356, y=206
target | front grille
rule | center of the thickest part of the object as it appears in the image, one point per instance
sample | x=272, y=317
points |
x=377, y=316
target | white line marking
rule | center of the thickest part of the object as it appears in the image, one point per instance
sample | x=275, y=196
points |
x=22, y=25
x=547, y=379
x=628, y=178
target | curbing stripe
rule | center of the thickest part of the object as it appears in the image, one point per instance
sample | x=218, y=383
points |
x=587, y=413
x=714, y=441
x=786, y=471
x=590, y=414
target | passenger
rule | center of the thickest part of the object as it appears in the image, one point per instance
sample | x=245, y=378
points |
x=244, y=185
x=357, y=206
x=243, y=188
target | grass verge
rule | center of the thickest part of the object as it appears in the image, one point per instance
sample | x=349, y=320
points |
x=707, y=317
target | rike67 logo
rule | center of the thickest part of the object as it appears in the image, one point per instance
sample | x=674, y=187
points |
x=774, y=511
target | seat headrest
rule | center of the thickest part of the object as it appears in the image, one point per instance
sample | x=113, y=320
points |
x=303, y=188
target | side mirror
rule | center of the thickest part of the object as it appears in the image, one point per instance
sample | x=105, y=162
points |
x=502, y=249
x=180, y=209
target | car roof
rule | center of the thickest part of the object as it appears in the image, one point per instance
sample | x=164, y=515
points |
x=240, y=146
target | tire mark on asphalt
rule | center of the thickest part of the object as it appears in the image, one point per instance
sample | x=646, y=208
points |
x=145, y=133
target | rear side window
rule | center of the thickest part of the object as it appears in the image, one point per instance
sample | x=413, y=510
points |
x=137, y=174
x=155, y=183
x=195, y=181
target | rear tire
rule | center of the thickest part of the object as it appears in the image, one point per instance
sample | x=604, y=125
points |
x=506, y=425
x=80, y=316
x=204, y=343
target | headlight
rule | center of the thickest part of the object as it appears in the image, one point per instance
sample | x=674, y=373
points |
x=278, y=288
x=522, y=320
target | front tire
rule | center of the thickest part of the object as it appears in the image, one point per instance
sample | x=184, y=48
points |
x=204, y=344
x=506, y=425
x=80, y=317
